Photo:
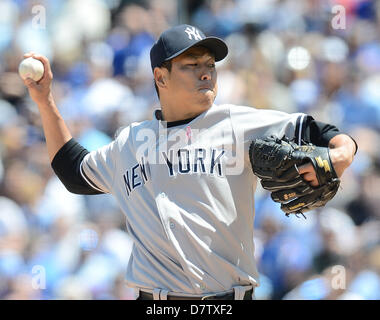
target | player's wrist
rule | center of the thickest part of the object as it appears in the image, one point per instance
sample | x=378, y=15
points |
x=46, y=101
x=341, y=159
x=345, y=144
x=342, y=152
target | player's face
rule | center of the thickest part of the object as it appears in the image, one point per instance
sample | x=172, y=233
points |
x=192, y=80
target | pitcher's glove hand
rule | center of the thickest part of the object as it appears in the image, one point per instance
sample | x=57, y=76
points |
x=275, y=162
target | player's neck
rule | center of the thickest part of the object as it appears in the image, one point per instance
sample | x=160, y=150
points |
x=171, y=115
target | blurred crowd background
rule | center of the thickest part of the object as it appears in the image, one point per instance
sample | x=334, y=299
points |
x=284, y=54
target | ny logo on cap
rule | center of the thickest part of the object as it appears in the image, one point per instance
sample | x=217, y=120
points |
x=193, y=32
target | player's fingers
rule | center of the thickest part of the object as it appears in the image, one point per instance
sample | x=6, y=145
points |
x=308, y=176
x=29, y=54
x=308, y=173
x=46, y=63
x=43, y=59
x=30, y=83
x=305, y=168
x=311, y=178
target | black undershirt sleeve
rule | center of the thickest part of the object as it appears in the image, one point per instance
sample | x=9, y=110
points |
x=66, y=165
x=319, y=133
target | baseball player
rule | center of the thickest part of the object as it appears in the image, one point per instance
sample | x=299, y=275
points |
x=184, y=179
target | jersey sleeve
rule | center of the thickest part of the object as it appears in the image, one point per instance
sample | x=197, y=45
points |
x=252, y=123
x=98, y=167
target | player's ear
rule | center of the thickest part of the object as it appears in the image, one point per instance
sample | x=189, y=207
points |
x=160, y=77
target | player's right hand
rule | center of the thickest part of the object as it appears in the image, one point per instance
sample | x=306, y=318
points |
x=40, y=91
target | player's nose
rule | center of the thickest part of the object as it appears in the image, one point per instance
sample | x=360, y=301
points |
x=206, y=75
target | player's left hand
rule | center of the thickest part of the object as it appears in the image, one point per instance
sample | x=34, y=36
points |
x=301, y=178
x=308, y=173
x=341, y=159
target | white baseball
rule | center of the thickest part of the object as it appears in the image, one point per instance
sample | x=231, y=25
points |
x=31, y=68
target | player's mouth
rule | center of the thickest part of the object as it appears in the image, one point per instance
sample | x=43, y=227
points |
x=205, y=88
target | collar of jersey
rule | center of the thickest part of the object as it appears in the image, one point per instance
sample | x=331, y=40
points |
x=158, y=116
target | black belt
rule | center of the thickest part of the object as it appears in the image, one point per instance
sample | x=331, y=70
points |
x=218, y=296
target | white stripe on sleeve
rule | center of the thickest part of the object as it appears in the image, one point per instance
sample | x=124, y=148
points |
x=300, y=129
x=91, y=184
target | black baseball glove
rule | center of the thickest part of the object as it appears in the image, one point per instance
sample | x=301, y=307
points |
x=275, y=162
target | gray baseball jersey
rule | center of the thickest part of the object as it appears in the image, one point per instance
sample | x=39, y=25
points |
x=188, y=196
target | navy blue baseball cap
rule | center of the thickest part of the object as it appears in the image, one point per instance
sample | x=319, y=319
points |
x=178, y=39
